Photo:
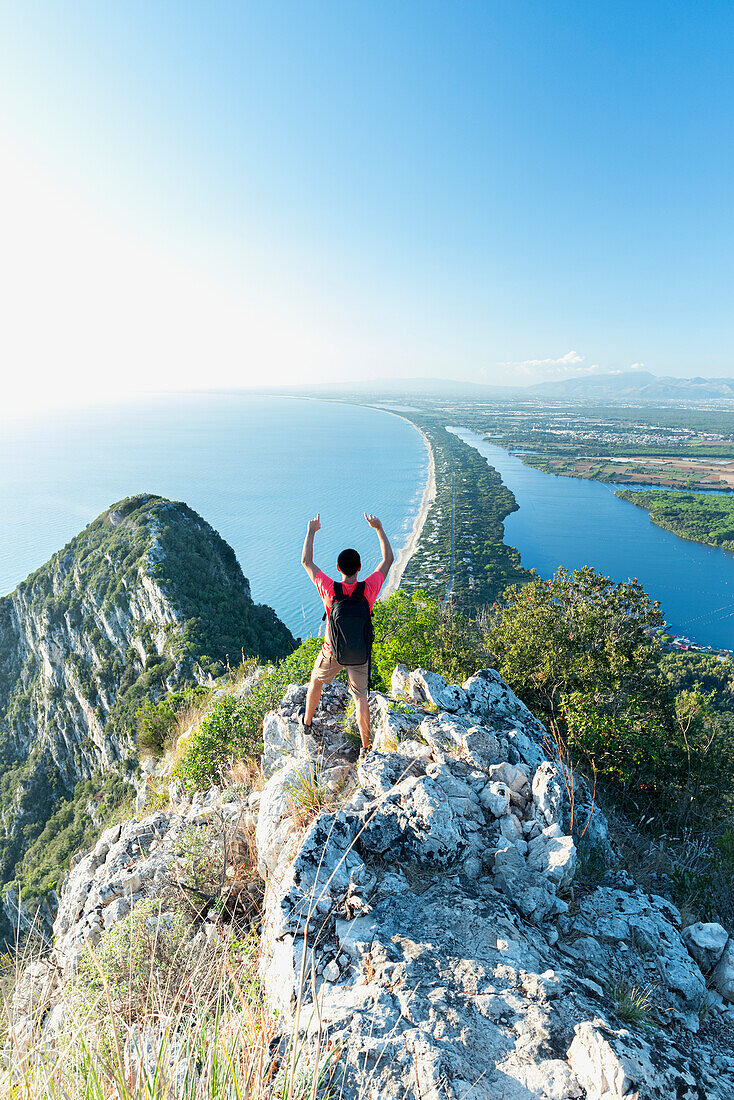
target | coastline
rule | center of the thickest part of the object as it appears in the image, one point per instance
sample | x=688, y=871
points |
x=429, y=495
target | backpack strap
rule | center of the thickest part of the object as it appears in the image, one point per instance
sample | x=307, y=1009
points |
x=359, y=591
x=339, y=591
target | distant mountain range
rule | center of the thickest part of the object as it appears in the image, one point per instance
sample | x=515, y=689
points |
x=638, y=385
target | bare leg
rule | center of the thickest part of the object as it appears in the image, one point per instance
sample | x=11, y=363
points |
x=312, y=700
x=362, y=707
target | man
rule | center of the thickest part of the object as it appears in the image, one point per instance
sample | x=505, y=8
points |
x=348, y=597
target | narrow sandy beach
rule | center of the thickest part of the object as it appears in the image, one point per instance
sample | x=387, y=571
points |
x=429, y=495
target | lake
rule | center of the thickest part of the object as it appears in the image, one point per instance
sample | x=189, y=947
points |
x=566, y=521
x=256, y=468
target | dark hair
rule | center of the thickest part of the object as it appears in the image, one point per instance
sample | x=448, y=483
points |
x=349, y=562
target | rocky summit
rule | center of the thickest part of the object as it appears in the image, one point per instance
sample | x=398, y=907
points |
x=430, y=927
x=146, y=599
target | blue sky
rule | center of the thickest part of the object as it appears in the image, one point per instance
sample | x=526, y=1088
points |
x=221, y=193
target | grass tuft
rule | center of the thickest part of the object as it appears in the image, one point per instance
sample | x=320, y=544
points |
x=633, y=1004
x=306, y=792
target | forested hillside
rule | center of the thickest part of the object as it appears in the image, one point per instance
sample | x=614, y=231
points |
x=147, y=599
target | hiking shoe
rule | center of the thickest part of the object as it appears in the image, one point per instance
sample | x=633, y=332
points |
x=363, y=754
x=301, y=716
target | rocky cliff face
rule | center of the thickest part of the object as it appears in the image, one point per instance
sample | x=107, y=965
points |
x=457, y=947
x=145, y=599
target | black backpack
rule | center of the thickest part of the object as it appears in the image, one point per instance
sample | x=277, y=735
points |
x=350, y=626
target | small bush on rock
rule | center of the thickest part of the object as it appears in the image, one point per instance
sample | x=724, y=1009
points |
x=139, y=951
x=156, y=724
x=233, y=729
x=306, y=792
x=415, y=630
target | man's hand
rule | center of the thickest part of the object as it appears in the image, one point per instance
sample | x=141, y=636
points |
x=307, y=561
x=387, y=554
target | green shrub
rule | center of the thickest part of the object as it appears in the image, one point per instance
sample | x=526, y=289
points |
x=578, y=632
x=629, y=746
x=234, y=728
x=416, y=631
x=156, y=722
x=583, y=653
x=212, y=745
x=632, y=1004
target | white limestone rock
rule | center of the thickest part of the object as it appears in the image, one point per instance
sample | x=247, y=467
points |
x=706, y=942
x=400, y=682
x=531, y=893
x=496, y=798
x=515, y=776
x=332, y=971
x=419, y=821
x=355, y=937
x=511, y=829
x=548, y=1079
x=390, y=727
x=617, y=1065
x=554, y=855
x=429, y=687
x=454, y=734
x=276, y=827
x=723, y=975
x=548, y=793
x=648, y=927
x=282, y=737
x=491, y=698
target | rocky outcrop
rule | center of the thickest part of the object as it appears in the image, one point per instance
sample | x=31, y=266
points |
x=140, y=860
x=437, y=895
x=457, y=952
x=134, y=861
x=144, y=600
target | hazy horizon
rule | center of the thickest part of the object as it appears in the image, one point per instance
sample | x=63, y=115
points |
x=200, y=197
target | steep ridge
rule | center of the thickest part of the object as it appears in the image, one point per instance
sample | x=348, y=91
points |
x=435, y=903
x=146, y=599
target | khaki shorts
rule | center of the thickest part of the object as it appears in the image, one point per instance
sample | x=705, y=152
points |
x=326, y=668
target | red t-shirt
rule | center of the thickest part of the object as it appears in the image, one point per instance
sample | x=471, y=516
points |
x=325, y=586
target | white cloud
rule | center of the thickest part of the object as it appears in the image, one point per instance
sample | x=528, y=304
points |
x=570, y=361
x=570, y=365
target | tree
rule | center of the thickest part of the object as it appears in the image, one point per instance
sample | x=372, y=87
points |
x=581, y=651
x=578, y=632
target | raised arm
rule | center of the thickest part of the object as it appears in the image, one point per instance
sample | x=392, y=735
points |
x=387, y=555
x=314, y=525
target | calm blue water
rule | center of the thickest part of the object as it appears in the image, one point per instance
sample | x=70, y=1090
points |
x=257, y=468
x=570, y=522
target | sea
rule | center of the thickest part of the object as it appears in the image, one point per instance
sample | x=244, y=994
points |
x=256, y=468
